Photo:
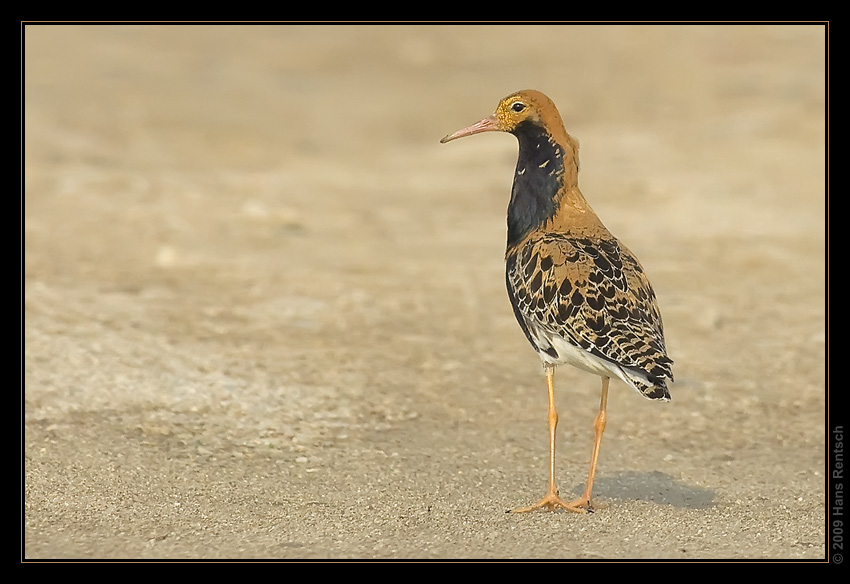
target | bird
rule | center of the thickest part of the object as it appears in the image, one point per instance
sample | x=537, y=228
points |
x=580, y=296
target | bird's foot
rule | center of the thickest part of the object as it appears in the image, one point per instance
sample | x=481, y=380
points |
x=585, y=503
x=552, y=501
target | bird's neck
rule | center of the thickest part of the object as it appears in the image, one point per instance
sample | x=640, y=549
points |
x=546, y=173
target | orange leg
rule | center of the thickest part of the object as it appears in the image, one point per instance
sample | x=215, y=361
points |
x=551, y=500
x=599, y=428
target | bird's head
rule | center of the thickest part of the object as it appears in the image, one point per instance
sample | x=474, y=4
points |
x=513, y=112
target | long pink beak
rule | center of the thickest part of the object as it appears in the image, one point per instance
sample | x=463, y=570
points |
x=486, y=125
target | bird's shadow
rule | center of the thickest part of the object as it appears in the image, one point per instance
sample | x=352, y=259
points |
x=656, y=487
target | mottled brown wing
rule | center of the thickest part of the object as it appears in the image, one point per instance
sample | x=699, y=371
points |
x=593, y=293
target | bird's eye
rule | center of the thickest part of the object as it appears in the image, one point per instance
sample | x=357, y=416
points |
x=518, y=106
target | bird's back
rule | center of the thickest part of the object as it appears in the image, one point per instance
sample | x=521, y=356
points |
x=586, y=301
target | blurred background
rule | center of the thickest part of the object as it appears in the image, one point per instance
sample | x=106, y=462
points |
x=264, y=308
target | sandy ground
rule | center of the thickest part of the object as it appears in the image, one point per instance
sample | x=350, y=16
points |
x=265, y=316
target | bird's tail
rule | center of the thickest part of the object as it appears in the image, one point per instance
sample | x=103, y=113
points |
x=649, y=386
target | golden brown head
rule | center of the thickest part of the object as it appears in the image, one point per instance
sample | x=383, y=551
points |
x=527, y=106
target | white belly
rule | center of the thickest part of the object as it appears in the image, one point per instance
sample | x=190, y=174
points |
x=570, y=354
